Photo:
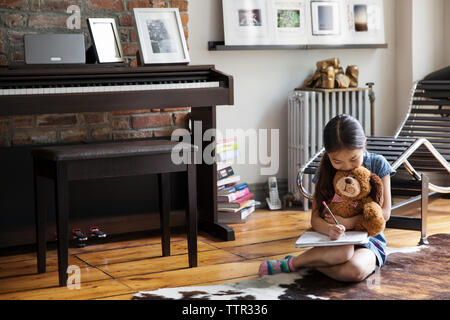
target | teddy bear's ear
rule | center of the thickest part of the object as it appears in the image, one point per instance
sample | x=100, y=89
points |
x=376, y=192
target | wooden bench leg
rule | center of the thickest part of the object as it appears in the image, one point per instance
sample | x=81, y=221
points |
x=164, y=211
x=62, y=220
x=40, y=210
x=191, y=215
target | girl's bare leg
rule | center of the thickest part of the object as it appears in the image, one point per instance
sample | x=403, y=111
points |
x=323, y=256
x=343, y=263
x=315, y=257
x=359, y=267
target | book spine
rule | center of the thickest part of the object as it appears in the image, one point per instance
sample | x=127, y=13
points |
x=226, y=172
x=225, y=141
x=241, y=186
x=224, y=207
x=224, y=190
x=228, y=180
x=233, y=196
x=239, y=194
x=226, y=147
x=222, y=165
x=227, y=155
x=239, y=201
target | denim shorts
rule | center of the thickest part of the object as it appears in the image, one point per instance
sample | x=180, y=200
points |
x=377, y=245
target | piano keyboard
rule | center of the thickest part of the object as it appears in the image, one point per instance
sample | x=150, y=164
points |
x=94, y=88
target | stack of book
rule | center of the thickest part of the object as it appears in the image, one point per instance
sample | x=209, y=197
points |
x=234, y=200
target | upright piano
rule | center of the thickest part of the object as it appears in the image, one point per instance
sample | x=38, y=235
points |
x=91, y=88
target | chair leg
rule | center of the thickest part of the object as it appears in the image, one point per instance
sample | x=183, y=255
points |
x=424, y=210
x=62, y=220
x=164, y=211
x=40, y=210
x=191, y=215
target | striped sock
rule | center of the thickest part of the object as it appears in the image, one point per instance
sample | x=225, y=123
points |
x=270, y=267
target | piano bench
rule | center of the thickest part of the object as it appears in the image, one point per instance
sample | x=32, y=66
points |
x=67, y=163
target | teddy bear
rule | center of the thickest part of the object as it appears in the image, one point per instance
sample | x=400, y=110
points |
x=359, y=192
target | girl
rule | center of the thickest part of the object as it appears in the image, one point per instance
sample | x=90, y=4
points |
x=344, y=143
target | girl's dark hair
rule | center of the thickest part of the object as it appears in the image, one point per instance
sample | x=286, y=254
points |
x=341, y=132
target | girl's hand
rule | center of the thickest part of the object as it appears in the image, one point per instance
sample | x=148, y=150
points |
x=335, y=231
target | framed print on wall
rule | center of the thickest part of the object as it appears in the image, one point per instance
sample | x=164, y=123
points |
x=289, y=22
x=365, y=21
x=245, y=22
x=303, y=22
x=105, y=40
x=161, y=36
x=325, y=18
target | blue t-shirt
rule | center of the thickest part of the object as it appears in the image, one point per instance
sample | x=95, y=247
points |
x=376, y=163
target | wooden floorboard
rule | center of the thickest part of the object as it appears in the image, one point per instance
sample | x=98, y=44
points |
x=117, y=270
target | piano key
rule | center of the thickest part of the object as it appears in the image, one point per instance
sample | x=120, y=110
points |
x=60, y=89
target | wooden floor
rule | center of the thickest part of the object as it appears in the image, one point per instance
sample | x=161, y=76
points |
x=117, y=270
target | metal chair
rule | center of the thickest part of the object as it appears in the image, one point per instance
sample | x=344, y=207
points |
x=420, y=148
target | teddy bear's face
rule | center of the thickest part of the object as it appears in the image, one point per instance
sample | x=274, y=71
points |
x=352, y=185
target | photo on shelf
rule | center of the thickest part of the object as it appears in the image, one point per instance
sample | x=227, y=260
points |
x=303, y=22
x=325, y=17
x=365, y=21
x=264, y=22
x=250, y=18
x=360, y=14
x=288, y=18
x=105, y=40
x=289, y=22
x=161, y=36
x=245, y=22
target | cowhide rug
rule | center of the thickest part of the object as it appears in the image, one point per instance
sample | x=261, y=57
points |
x=421, y=272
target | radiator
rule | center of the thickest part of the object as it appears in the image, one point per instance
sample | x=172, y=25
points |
x=308, y=113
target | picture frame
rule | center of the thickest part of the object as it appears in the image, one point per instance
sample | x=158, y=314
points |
x=365, y=21
x=303, y=22
x=289, y=24
x=246, y=22
x=160, y=36
x=325, y=18
x=105, y=40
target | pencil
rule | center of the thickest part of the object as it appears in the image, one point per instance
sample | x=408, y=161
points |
x=328, y=209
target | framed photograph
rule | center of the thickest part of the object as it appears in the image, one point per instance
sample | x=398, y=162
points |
x=161, y=36
x=105, y=40
x=289, y=22
x=360, y=17
x=246, y=22
x=288, y=19
x=250, y=18
x=325, y=18
x=365, y=21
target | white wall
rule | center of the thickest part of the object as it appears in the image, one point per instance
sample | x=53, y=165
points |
x=403, y=73
x=263, y=79
x=423, y=44
x=447, y=32
x=428, y=37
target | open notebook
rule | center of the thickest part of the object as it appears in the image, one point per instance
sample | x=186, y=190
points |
x=316, y=239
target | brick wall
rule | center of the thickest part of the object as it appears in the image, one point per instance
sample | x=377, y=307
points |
x=19, y=17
